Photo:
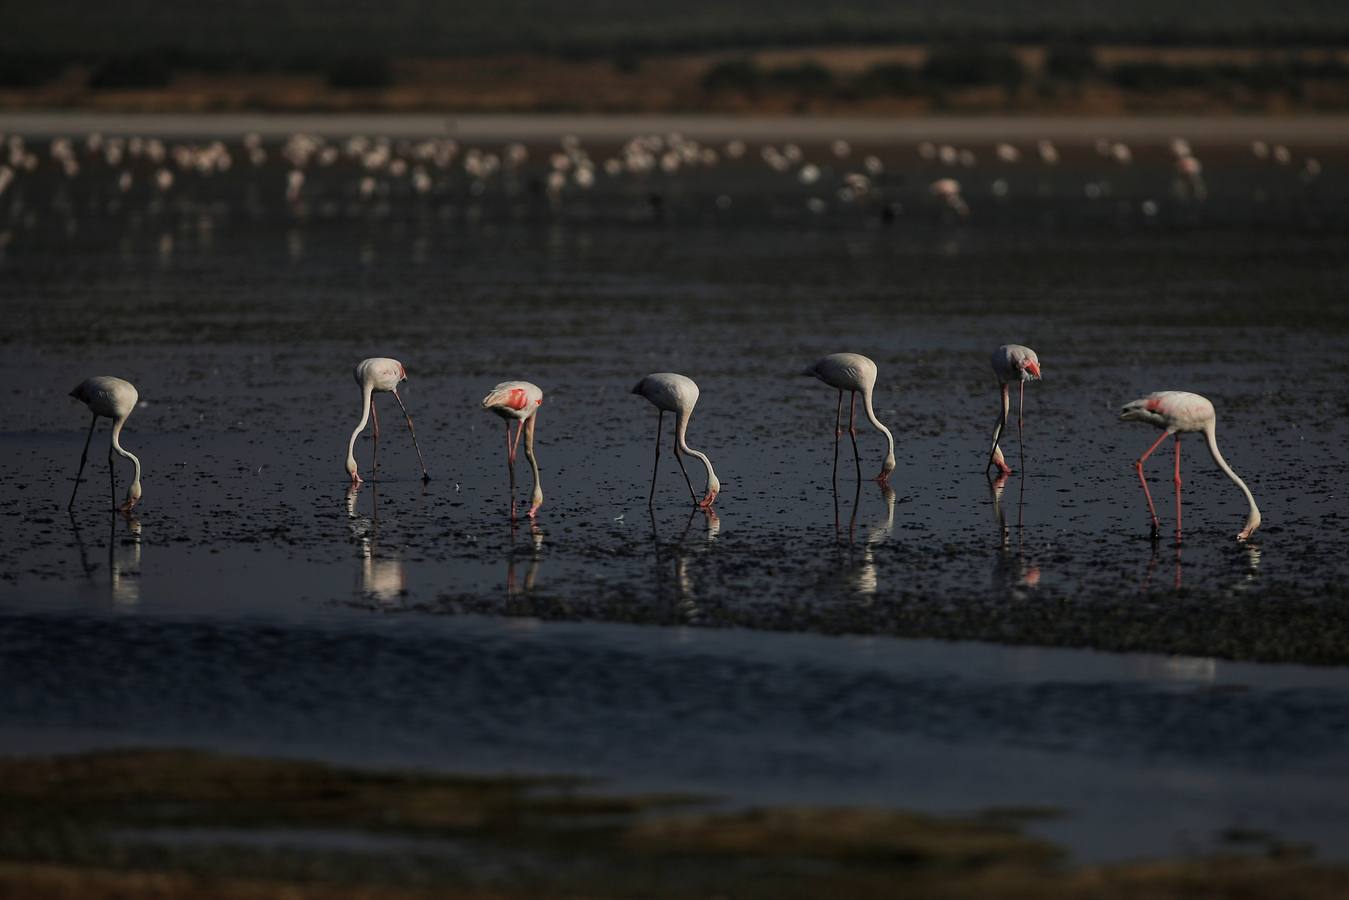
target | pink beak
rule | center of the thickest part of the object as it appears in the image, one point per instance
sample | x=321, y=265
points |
x=1033, y=367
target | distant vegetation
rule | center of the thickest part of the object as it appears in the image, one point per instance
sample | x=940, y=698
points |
x=285, y=33
x=956, y=67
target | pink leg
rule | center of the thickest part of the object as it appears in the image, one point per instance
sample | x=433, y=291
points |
x=510, y=466
x=1138, y=467
x=1177, y=490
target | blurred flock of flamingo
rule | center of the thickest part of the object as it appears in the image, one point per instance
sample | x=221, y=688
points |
x=313, y=176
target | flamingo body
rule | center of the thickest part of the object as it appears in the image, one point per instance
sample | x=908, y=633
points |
x=1176, y=413
x=855, y=373
x=378, y=374
x=1011, y=363
x=674, y=393
x=113, y=398
x=518, y=401
x=1015, y=362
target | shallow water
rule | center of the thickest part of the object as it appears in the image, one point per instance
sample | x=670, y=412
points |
x=254, y=602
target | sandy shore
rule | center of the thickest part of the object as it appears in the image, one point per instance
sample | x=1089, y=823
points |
x=1329, y=129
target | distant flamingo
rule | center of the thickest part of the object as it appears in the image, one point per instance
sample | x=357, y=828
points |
x=379, y=374
x=1012, y=362
x=112, y=398
x=518, y=400
x=678, y=394
x=853, y=372
x=1175, y=412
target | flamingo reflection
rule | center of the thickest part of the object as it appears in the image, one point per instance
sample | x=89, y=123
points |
x=685, y=603
x=862, y=575
x=382, y=578
x=531, y=569
x=1012, y=573
x=124, y=557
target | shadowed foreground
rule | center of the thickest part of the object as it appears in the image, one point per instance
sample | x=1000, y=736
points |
x=152, y=823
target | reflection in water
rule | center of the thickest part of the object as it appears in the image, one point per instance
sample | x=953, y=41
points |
x=861, y=574
x=382, y=579
x=1249, y=562
x=1013, y=575
x=124, y=557
x=1152, y=567
x=532, y=568
x=685, y=600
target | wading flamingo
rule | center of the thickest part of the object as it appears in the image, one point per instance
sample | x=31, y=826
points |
x=518, y=401
x=853, y=372
x=1012, y=362
x=379, y=374
x=1175, y=412
x=669, y=392
x=113, y=398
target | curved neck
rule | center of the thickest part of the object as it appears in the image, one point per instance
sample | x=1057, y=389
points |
x=365, y=417
x=533, y=462
x=116, y=445
x=1253, y=515
x=871, y=415
x=681, y=427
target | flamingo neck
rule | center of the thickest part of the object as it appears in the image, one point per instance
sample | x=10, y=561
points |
x=1253, y=515
x=366, y=391
x=537, y=498
x=134, y=491
x=681, y=427
x=890, y=438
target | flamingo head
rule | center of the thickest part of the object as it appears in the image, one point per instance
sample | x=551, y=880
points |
x=886, y=468
x=713, y=488
x=402, y=372
x=1031, y=366
x=351, y=470
x=133, y=496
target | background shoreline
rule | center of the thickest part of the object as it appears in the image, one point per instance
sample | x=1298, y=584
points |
x=1318, y=129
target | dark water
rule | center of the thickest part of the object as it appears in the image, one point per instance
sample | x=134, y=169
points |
x=254, y=602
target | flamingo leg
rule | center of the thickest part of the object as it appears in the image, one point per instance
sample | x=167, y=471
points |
x=426, y=476
x=1178, y=490
x=510, y=466
x=83, y=457
x=995, y=457
x=651, y=498
x=680, y=459
x=1138, y=467
x=374, y=414
x=852, y=430
x=838, y=431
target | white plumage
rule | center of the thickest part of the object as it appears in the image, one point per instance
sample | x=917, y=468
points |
x=853, y=372
x=670, y=392
x=113, y=398
x=1178, y=412
x=518, y=401
x=382, y=374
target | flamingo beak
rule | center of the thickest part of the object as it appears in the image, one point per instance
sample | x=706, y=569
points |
x=1033, y=367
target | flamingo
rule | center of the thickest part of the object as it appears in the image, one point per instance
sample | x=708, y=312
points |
x=853, y=372
x=518, y=400
x=113, y=398
x=379, y=374
x=669, y=392
x=1012, y=362
x=1176, y=412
